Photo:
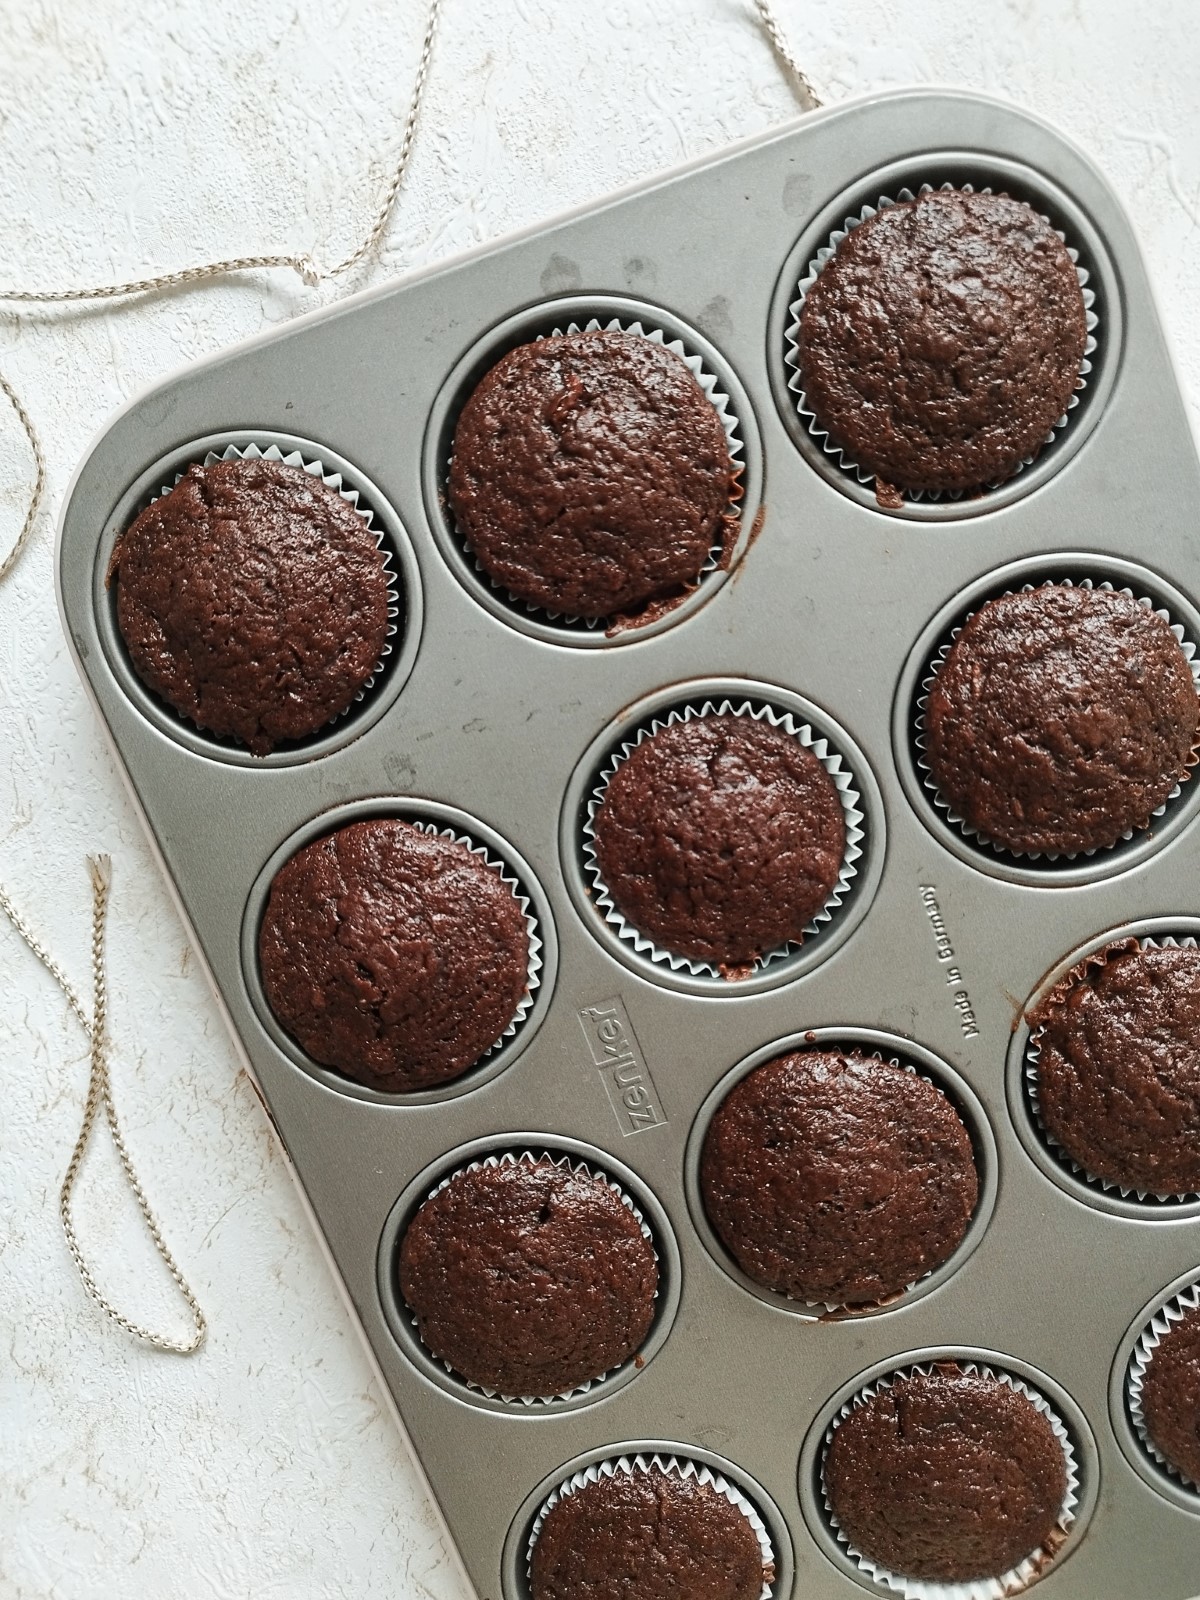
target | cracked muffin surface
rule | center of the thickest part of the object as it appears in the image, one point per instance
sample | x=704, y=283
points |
x=529, y=1278
x=396, y=956
x=837, y=1178
x=947, y=1475
x=1118, y=1071
x=720, y=837
x=590, y=473
x=942, y=340
x=646, y=1535
x=1062, y=717
x=253, y=599
x=1171, y=1396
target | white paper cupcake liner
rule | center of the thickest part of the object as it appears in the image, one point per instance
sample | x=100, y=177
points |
x=683, y=1467
x=829, y=757
x=512, y=882
x=1033, y=1053
x=315, y=468
x=571, y=1164
x=841, y=1311
x=792, y=353
x=1188, y=647
x=721, y=404
x=1171, y=1311
x=1005, y=1584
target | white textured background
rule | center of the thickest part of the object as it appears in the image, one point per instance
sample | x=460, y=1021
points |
x=137, y=138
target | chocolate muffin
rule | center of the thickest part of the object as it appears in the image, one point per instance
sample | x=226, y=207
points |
x=836, y=1177
x=1171, y=1396
x=590, y=473
x=253, y=599
x=646, y=1535
x=1062, y=718
x=396, y=956
x=529, y=1278
x=942, y=340
x=720, y=838
x=947, y=1476
x=1118, y=1075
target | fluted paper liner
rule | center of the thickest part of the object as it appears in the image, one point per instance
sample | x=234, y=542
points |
x=1033, y=1053
x=721, y=404
x=1152, y=1335
x=585, y=1169
x=1003, y=1585
x=315, y=468
x=1188, y=646
x=826, y=753
x=683, y=1467
x=792, y=353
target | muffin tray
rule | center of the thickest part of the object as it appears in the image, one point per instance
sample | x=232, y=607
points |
x=494, y=721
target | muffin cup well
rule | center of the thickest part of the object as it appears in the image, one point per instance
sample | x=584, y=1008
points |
x=835, y=764
x=400, y=570
x=434, y=818
x=721, y=384
x=913, y=1058
x=681, y=1466
x=792, y=355
x=316, y=469
x=1050, y=1159
x=929, y=677
x=527, y=1145
x=1032, y=1058
x=1001, y=1586
x=588, y=1170
x=721, y=548
x=1180, y=1305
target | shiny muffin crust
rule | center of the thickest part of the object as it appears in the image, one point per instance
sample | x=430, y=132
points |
x=646, y=1535
x=1171, y=1396
x=946, y=1475
x=1118, y=1073
x=838, y=1178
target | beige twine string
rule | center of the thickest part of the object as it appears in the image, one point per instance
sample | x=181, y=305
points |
x=39, y=479
x=809, y=99
x=100, y=1097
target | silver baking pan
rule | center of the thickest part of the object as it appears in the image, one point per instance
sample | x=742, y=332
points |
x=491, y=719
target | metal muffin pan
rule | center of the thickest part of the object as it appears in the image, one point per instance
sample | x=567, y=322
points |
x=486, y=717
